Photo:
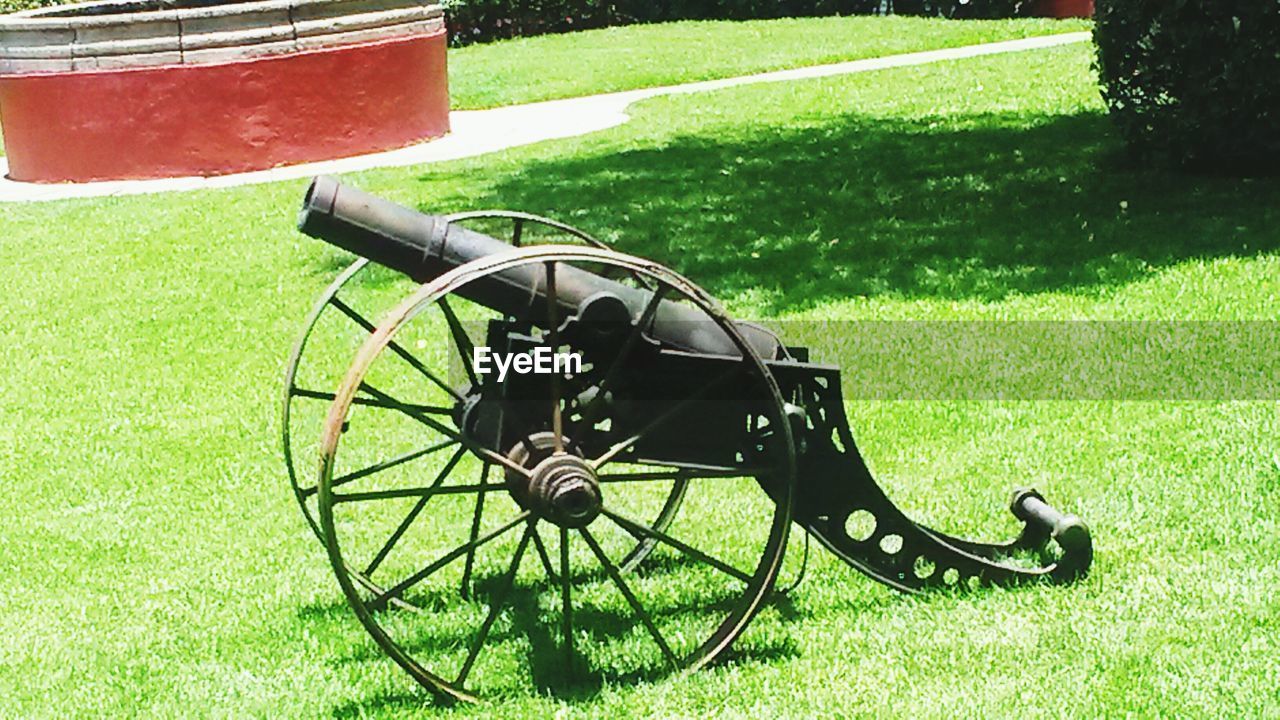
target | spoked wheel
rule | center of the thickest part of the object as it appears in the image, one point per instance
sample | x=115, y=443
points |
x=480, y=535
x=343, y=317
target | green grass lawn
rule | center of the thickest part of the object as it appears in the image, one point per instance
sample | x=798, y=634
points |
x=625, y=58
x=158, y=566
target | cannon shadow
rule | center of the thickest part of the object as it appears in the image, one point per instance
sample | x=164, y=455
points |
x=545, y=657
x=984, y=207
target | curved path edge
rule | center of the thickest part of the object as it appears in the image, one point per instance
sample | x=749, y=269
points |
x=479, y=132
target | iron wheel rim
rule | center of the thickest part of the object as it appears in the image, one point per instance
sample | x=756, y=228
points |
x=758, y=584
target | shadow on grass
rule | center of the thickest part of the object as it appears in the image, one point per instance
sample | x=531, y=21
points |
x=980, y=207
x=531, y=624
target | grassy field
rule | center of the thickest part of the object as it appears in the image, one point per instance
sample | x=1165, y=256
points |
x=158, y=565
x=625, y=58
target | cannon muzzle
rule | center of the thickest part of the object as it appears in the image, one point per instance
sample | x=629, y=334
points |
x=419, y=245
x=424, y=247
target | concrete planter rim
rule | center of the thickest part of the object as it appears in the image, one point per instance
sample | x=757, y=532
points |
x=100, y=12
x=111, y=34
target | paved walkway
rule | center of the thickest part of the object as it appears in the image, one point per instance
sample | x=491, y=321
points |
x=477, y=132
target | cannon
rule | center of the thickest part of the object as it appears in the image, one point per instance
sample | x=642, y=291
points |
x=620, y=514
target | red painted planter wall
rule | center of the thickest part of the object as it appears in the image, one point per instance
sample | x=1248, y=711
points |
x=1065, y=8
x=219, y=118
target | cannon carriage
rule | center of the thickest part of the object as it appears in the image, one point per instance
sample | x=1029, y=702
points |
x=635, y=509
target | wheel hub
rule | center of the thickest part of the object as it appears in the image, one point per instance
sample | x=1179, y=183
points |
x=561, y=487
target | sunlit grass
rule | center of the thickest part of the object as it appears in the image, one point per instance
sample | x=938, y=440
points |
x=158, y=565
x=625, y=58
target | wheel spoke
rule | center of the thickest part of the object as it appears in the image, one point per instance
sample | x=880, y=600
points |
x=597, y=402
x=634, y=528
x=395, y=347
x=371, y=402
x=708, y=470
x=460, y=338
x=642, y=477
x=665, y=417
x=495, y=607
x=388, y=464
x=553, y=324
x=339, y=482
x=412, y=410
x=566, y=600
x=413, y=514
x=398, y=589
x=680, y=474
x=414, y=492
x=483, y=452
x=542, y=551
x=636, y=607
x=475, y=530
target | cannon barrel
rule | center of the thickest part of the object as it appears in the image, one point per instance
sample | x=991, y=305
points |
x=424, y=247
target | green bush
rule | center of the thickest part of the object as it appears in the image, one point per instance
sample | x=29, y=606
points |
x=963, y=8
x=481, y=20
x=8, y=6
x=1194, y=82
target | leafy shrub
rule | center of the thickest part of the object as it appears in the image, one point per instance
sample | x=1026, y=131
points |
x=1194, y=82
x=963, y=8
x=481, y=20
x=8, y=6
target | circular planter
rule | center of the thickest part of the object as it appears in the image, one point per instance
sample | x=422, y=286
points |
x=165, y=88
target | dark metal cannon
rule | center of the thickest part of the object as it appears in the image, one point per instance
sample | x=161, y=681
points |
x=426, y=246
x=679, y=452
